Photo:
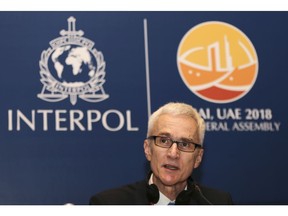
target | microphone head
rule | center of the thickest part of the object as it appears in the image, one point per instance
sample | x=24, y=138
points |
x=183, y=197
x=153, y=193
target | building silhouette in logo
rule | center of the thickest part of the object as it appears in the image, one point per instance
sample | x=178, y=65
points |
x=220, y=69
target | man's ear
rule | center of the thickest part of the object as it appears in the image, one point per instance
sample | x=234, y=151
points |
x=198, y=157
x=147, y=149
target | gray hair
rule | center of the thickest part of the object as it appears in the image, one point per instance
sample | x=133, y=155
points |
x=176, y=108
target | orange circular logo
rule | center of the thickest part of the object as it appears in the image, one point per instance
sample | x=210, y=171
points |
x=217, y=62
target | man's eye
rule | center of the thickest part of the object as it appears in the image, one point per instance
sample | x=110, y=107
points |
x=184, y=144
x=164, y=140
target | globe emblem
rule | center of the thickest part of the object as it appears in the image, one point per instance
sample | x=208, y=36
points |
x=72, y=68
x=72, y=65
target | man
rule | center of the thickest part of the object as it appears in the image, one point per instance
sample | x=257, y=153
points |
x=174, y=148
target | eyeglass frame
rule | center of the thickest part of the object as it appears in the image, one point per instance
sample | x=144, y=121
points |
x=177, y=143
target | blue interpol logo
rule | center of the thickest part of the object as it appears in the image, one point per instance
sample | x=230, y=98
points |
x=71, y=67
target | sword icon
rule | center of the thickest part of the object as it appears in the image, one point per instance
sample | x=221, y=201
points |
x=71, y=28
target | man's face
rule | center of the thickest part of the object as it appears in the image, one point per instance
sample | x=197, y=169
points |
x=172, y=166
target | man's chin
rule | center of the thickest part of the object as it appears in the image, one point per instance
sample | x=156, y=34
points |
x=169, y=180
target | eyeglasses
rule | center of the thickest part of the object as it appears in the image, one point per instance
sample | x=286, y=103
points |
x=166, y=142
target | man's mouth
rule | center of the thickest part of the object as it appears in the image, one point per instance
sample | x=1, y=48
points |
x=170, y=167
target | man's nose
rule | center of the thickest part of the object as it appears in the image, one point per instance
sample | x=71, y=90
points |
x=174, y=151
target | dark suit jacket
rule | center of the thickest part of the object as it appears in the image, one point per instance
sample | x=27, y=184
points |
x=136, y=194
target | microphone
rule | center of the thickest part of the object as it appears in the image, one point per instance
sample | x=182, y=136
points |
x=201, y=194
x=153, y=194
x=184, y=197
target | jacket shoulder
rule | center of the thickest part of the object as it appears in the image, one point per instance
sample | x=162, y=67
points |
x=130, y=194
x=215, y=196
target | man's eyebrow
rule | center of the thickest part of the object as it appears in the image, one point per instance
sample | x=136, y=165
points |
x=187, y=140
x=165, y=134
x=183, y=139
